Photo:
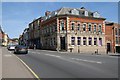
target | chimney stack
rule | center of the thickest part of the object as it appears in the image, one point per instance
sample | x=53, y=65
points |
x=47, y=13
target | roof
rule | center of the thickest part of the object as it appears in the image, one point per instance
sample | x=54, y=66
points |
x=81, y=11
x=1, y=31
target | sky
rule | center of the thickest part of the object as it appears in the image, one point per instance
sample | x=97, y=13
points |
x=17, y=15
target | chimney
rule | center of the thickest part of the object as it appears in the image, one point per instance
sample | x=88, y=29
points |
x=47, y=13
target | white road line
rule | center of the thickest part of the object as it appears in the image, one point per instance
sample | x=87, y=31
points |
x=53, y=55
x=87, y=60
x=7, y=55
x=36, y=76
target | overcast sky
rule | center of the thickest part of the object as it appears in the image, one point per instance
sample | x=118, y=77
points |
x=17, y=15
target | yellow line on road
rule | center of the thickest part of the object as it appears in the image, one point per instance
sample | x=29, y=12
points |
x=36, y=76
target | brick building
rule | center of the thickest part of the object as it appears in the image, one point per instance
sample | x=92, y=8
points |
x=1, y=36
x=112, y=36
x=75, y=29
x=68, y=29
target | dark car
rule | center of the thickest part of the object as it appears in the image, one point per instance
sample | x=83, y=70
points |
x=21, y=49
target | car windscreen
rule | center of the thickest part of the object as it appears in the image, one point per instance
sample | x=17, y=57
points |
x=21, y=46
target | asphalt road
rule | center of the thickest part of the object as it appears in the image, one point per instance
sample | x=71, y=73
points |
x=51, y=64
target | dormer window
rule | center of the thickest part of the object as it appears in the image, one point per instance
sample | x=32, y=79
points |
x=53, y=13
x=86, y=13
x=74, y=11
x=96, y=14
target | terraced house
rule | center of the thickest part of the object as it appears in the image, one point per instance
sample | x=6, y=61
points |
x=69, y=29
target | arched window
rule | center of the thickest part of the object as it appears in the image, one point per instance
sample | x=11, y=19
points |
x=73, y=25
x=62, y=25
x=95, y=27
x=78, y=27
x=84, y=27
x=100, y=28
x=89, y=27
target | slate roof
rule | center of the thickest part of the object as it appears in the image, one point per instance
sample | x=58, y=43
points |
x=65, y=10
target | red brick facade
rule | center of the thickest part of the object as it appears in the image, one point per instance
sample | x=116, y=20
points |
x=112, y=35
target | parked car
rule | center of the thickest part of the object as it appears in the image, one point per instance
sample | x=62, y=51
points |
x=11, y=47
x=21, y=49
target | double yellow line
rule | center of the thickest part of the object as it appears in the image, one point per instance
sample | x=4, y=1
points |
x=36, y=76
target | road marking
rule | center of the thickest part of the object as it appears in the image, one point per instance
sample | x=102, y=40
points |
x=87, y=60
x=7, y=55
x=53, y=55
x=28, y=68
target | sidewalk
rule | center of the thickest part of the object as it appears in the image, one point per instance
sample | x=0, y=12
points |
x=64, y=52
x=0, y=63
x=12, y=67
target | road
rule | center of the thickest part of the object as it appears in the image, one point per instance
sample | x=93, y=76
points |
x=51, y=64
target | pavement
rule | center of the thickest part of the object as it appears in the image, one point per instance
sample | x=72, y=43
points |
x=0, y=63
x=12, y=66
x=64, y=52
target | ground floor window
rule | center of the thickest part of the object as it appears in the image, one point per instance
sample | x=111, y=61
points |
x=100, y=41
x=95, y=41
x=79, y=40
x=90, y=41
x=84, y=40
x=72, y=40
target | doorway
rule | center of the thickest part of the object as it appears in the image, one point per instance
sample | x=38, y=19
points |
x=62, y=43
x=108, y=47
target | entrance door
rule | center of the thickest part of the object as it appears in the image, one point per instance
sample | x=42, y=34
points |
x=62, y=41
x=108, y=47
